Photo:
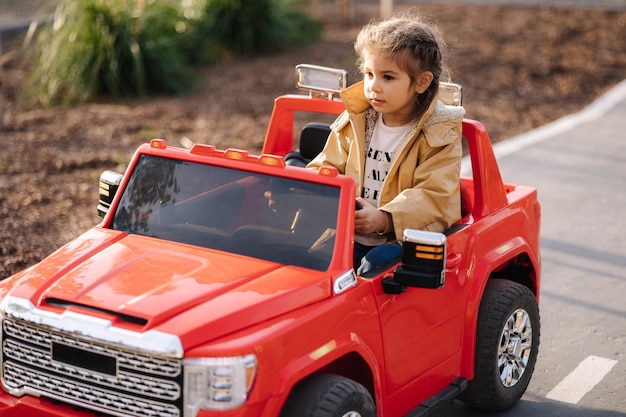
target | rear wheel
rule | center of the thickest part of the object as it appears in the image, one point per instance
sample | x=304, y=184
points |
x=507, y=342
x=325, y=395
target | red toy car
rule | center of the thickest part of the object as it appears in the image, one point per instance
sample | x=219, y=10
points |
x=220, y=283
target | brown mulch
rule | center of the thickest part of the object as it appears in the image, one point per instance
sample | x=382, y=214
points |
x=520, y=67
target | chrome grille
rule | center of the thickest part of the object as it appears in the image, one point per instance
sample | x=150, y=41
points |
x=143, y=385
x=138, y=362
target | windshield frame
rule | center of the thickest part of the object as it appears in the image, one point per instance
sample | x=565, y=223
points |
x=335, y=188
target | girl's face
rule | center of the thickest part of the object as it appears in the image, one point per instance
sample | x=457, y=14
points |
x=389, y=90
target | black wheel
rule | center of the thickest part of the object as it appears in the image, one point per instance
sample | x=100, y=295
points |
x=507, y=342
x=326, y=395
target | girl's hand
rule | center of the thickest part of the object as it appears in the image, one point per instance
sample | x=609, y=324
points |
x=369, y=219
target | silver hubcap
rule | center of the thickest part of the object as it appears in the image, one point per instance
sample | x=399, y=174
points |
x=515, y=346
x=352, y=414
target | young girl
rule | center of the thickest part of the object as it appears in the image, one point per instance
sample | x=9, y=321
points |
x=399, y=143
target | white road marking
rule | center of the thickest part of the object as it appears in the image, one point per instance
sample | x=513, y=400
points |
x=582, y=379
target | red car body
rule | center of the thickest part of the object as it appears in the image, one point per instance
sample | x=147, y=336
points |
x=408, y=349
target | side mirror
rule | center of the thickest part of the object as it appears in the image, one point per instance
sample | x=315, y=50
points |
x=109, y=183
x=423, y=262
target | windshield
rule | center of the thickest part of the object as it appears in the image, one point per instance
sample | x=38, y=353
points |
x=277, y=219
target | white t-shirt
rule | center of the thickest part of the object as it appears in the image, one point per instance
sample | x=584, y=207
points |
x=385, y=140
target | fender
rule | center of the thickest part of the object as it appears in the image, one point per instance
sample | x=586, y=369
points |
x=322, y=356
x=498, y=256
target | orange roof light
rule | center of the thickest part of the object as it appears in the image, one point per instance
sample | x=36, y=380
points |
x=158, y=143
x=329, y=171
x=237, y=154
x=202, y=149
x=273, y=160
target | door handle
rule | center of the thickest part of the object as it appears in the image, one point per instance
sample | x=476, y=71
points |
x=453, y=261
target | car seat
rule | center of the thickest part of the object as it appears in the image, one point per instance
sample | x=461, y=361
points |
x=312, y=140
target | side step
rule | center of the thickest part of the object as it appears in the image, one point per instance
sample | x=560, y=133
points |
x=442, y=397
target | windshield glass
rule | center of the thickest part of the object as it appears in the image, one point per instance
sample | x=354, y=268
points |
x=277, y=219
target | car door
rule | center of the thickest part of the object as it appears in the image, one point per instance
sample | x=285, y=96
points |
x=422, y=327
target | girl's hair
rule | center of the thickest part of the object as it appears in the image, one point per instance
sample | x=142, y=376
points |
x=414, y=45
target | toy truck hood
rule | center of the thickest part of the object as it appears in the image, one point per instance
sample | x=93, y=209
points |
x=135, y=280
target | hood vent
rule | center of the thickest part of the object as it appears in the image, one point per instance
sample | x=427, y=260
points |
x=56, y=302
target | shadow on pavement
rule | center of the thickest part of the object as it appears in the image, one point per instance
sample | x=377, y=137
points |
x=537, y=407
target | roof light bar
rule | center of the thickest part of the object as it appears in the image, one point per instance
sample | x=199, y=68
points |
x=324, y=81
x=451, y=94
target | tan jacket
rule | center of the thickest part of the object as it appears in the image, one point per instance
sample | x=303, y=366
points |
x=421, y=190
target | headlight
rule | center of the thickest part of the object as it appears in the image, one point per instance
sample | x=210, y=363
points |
x=217, y=383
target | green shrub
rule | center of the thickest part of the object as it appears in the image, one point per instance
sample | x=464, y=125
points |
x=252, y=26
x=114, y=47
x=122, y=48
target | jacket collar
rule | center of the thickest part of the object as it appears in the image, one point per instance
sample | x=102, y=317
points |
x=355, y=102
x=354, y=99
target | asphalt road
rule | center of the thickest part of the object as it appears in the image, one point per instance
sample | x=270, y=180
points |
x=578, y=165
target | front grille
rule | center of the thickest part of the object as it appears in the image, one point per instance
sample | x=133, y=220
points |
x=142, y=385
